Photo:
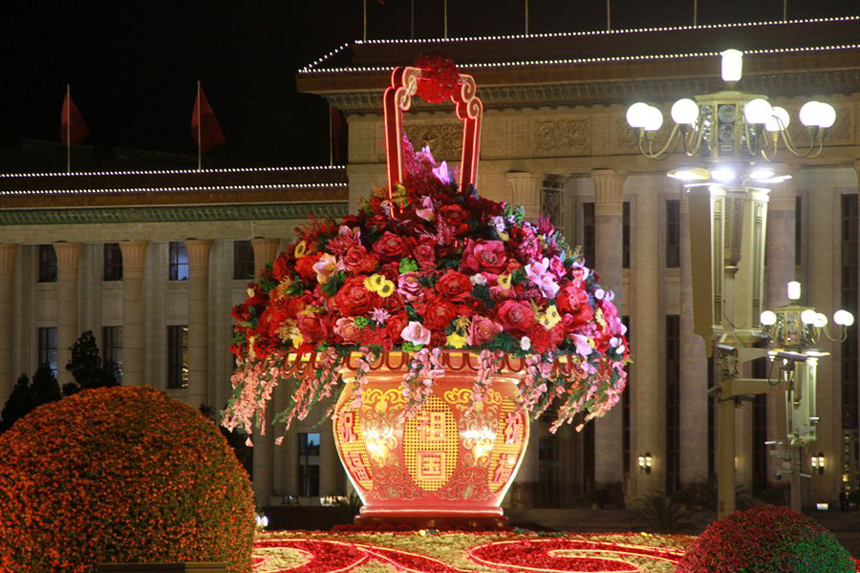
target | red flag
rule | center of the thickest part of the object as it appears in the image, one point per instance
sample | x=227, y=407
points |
x=73, y=128
x=205, y=128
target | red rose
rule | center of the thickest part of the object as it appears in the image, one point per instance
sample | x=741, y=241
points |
x=571, y=297
x=295, y=305
x=438, y=313
x=391, y=247
x=425, y=254
x=313, y=329
x=347, y=330
x=392, y=304
x=482, y=330
x=353, y=298
x=577, y=319
x=438, y=339
x=455, y=216
x=357, y=260
x=305, y=266
x=281, y=266
x=484, y=256
x=516, y=317
x=395, y=326
x=455, y=286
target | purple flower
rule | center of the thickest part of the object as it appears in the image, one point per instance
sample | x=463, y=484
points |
x=442, y=173
x=539, y=274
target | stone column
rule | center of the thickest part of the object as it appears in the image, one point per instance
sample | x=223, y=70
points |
x=648, y=397
x=608, y=206
x=525, y=191
x=265, y=251
x=198, y=320
x=7, y=275
x=68, y=257
x=694, y=371
x=133, y=259
x=779, y=272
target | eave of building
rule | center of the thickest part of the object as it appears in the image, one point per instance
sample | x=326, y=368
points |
x=780, y=60
x=173, y=196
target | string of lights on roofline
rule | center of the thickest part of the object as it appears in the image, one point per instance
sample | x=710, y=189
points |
x=312, y=67
x=177, y=171
x=730, y=131
x=598, y=59
x=29, y=192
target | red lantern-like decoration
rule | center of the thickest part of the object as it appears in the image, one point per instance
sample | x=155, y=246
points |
x=449, y=464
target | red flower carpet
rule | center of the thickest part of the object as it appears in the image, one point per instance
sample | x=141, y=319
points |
x=456, y=552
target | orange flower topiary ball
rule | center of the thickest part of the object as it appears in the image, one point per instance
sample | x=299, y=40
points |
x=120, y=475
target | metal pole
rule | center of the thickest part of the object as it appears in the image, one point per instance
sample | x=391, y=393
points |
x=68, y=128
x=527, y=17
x=726, y=457
x=364, y=34
x=446, y=18
x=199, y=131
x=695, y=11
x=608, y=16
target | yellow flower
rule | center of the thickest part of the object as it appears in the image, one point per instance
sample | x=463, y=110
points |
x=549, y=318
x=374, y=282
x=456, y=340
x=289, y=332
x=301, y=250
x=461, y=323
x=504, y=281
x=386, y=290
x=504, y=236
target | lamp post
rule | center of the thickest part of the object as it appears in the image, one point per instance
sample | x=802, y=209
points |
x=730, y=137
x=794, y=334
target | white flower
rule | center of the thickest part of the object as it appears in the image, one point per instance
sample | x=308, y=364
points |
x=525, y=343
x=478, y=279
x=415, y=333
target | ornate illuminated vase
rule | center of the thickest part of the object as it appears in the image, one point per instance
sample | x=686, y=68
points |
x=449, y=464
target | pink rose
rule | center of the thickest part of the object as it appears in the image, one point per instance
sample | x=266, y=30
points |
x=415, y=333
x=482, y=330
x=516, y=317
x=484, y=256
x=556, y=267
x=408, y=286
x=346, y=329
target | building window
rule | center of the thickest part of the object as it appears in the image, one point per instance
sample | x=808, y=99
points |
x=243, y=260
x=588, y=234
x=759, y=429
x=47, y=264
x=625, y=235
x=673, y=233
x=112, y=262
x=177, y=356
x=178, y=261
x=798, y=230
x=309, y=465
x=625, y=407
x=48, y=348
x=588, y=458
x=551, y=202
x=112, y=348
x=673, y=403
x=849, y=350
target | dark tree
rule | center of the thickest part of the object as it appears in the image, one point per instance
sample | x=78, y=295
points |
x=27, y=396
x=87, y=366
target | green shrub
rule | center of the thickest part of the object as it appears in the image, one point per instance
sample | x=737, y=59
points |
x=766, y=538
x=116, y=475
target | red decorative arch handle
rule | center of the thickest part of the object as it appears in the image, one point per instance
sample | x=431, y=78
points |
x=469, y=110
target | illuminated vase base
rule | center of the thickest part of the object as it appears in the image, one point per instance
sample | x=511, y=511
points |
x=449, y=465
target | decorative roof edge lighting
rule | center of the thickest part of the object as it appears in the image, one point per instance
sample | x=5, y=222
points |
x=174, y=171
x=26, y=192
x=312, y=66
x=601, y=59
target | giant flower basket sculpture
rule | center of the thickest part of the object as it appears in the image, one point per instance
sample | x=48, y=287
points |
x=438, y=320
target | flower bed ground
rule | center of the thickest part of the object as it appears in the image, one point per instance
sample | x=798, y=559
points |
x=446, y=552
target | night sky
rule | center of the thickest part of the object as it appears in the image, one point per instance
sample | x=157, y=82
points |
x=133, y=66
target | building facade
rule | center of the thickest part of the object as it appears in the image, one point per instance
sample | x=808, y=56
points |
x=554, y=140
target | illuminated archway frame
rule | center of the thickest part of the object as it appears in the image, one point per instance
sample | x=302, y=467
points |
x=469, y=110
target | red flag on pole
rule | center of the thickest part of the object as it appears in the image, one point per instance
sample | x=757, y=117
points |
x=205, y=128
x=73, y=127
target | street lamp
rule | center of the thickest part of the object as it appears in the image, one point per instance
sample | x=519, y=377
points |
x=730, y=125
x=794, y=334
x=732, y=137
x=645, y=463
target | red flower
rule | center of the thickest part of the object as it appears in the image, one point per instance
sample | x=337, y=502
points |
x=425, y=254
x=455, y=216
x=391, y=247
x=484, y=256
x=357, y=260
x=482, y=330
x=516, y=317
x=395, y=326
x=305, y=266
x=353, y=299
x=438, y=313
x=570, y=297
x=282, y=265
x=313, y=329
x=455, y=286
